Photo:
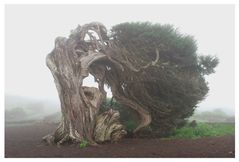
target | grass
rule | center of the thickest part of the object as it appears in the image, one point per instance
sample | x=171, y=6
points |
x=203, y=130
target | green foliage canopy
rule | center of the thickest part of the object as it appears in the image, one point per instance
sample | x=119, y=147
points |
x=171, y=88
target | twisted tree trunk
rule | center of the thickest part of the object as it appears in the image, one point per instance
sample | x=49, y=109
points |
x=78, y=112
x=87, y=50
x=79, y=105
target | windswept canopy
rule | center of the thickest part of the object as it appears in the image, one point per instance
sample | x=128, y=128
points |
x=155, y=68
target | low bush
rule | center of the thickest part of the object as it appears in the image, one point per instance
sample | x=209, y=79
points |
x=83, y=144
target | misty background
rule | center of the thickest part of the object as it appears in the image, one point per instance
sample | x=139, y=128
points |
x=30, y=91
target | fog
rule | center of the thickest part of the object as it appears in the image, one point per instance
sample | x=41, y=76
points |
x=31, y=30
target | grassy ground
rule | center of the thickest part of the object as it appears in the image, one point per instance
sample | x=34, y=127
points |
x=204, y=130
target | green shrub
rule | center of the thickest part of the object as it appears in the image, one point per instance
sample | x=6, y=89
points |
x=130, y=125
x=193, y=124
x=83, y=144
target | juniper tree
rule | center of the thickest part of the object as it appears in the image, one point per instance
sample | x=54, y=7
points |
x=150, y=68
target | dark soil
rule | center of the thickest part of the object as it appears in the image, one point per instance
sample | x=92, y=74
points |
x=25, y=141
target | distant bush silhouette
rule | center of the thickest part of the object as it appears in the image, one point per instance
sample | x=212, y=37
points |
x=15, y=114
x=216, y=115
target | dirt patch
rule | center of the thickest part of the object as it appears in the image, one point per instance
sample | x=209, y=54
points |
x=25, y=141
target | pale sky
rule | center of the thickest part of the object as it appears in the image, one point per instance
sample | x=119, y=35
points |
x=31, y=30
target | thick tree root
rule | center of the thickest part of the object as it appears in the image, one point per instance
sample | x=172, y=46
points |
x=49, y=139
x=108, y=127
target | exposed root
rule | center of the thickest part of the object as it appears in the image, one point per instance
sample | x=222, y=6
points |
x=67, y=138
x=49, y=139
x=108, y=127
